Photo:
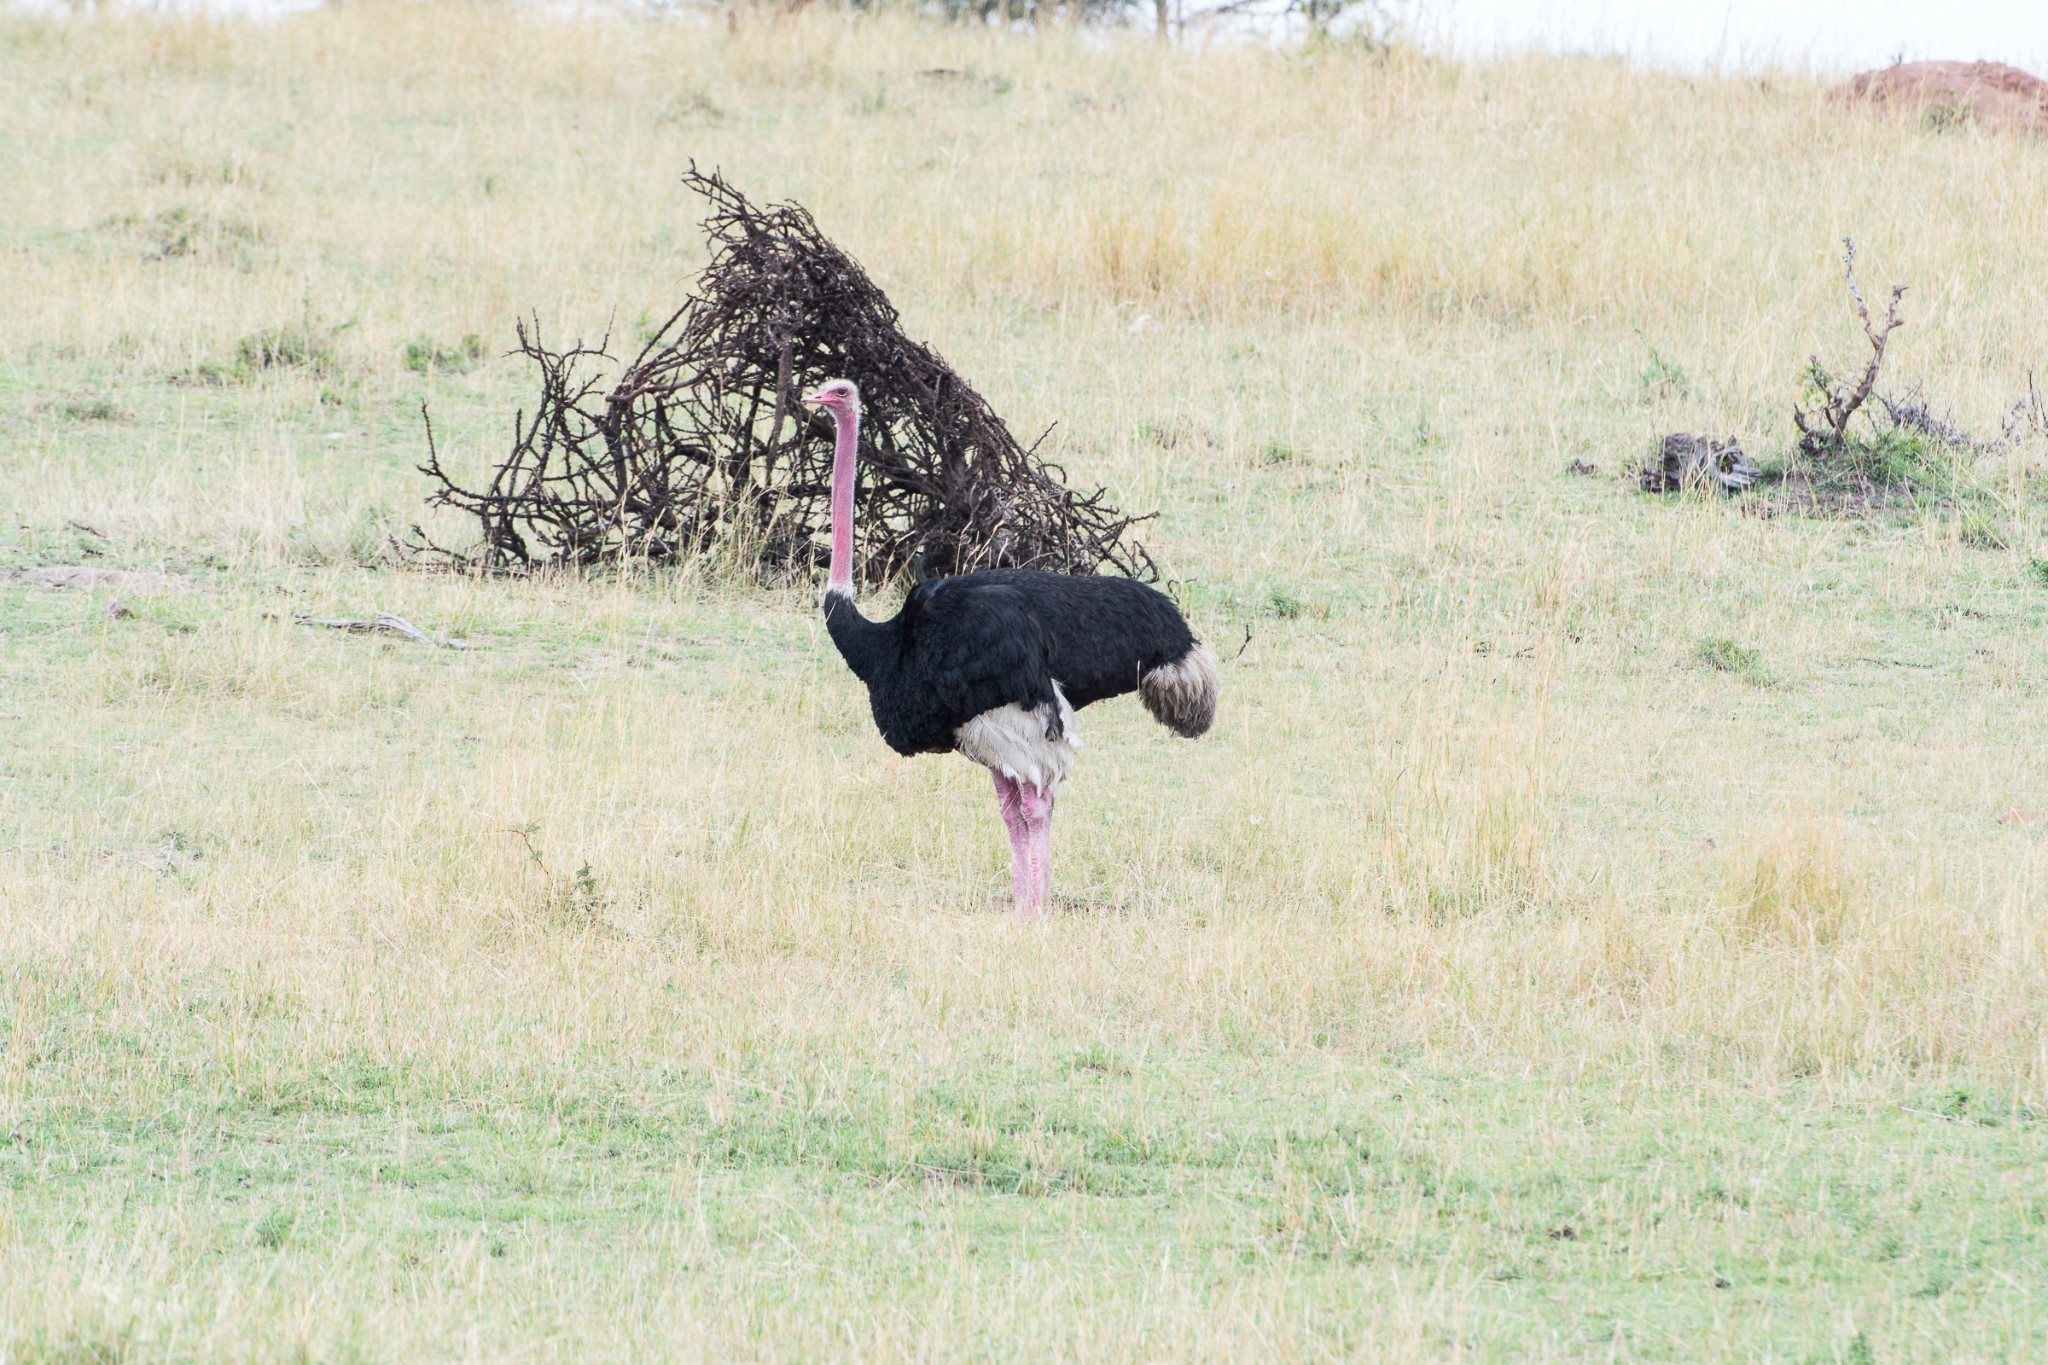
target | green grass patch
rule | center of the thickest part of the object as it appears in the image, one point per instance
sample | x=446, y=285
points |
x=1724, y=655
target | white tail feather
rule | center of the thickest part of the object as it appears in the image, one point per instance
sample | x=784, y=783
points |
x=1182, y=695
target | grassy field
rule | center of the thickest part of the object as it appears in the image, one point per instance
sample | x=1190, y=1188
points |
x=1600, y=926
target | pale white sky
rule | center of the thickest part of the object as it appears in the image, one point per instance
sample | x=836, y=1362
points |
x=1830, y=36
x=1825, y=35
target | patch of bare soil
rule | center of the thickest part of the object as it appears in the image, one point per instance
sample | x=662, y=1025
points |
x=1843, y=494
x=1949, y=94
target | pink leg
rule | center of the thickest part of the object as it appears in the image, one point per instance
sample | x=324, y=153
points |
x=1010, y=800
x=1037, y=811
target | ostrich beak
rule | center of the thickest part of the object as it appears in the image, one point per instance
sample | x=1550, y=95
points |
x=816, y=400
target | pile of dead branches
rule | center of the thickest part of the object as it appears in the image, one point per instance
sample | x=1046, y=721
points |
x=1686, y=462
x=701, y=442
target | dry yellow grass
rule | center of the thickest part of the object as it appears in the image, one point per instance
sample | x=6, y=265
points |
x=1494, y=980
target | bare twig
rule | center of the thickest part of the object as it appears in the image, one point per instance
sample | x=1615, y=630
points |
x=2029, y=416
x=525, y=835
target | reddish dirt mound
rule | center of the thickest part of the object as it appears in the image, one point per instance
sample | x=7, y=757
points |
x=1990, y=93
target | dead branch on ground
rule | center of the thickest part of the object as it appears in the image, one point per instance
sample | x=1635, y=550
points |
x=383, y=620
x=1685, y=462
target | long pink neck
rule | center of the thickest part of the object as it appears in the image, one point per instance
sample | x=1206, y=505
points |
x=845, y=452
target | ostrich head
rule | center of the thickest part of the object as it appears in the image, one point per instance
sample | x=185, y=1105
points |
x=837, y=396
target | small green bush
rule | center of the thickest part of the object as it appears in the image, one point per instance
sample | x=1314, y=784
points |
x=423, y=354
x=1722, y=654
x=302, y=345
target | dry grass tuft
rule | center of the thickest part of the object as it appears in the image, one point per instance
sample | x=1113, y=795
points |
x=1795, y=890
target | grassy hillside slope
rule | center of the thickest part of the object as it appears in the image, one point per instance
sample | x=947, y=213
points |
x=1599, y=926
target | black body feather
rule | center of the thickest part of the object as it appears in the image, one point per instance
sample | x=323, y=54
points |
x=965, y=645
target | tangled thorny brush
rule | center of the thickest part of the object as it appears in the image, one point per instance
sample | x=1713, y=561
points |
x=702, y=443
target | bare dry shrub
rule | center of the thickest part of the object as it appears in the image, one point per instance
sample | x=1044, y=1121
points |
x=1836, y=401
x=702, y=442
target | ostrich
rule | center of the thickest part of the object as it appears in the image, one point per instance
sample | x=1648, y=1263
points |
x=994, y=664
